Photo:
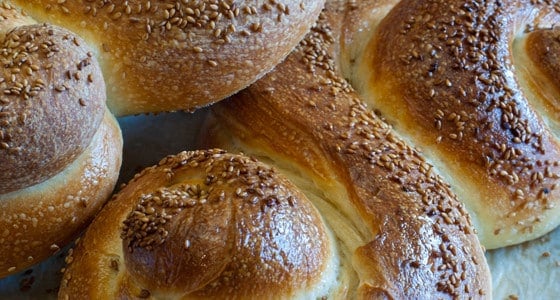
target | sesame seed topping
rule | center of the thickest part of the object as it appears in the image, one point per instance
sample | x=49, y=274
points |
x=455, y=66
x=38, y=60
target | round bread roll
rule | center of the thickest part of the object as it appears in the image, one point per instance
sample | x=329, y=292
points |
x=180, y=55
x=451, y=81
x=60, y=148
x=204, y=224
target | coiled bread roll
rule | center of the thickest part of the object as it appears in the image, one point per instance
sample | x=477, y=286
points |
x=469, y=87
x=208, y=224
x=60, y=148
x=204, y=224
x=444, y=76
x=179, y=54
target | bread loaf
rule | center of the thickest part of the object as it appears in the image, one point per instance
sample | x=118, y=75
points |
x=60, y=148
x=180, y=55
x=363, y=200
x=208, y=224
x=465, y=82
x=394, y=226
x=443, y=76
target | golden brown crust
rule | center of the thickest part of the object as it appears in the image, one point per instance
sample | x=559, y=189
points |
x=418, y=240
x=543, y=51
x=543, y=47
x=52, y=101
x=60, y=148
x=201, y=224
x=450, y=88
x=38, y=221
x=176, y=55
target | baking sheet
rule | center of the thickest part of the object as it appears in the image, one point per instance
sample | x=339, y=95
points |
x=527, y=271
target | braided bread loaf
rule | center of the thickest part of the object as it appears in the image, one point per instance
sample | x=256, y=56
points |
x=208, y=224
x=443, y=76
x=470, y=87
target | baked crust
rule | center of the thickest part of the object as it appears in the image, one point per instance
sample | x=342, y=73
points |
x=180, y=55
x=52, y=102
x=405, y=228
x=538, y=64
x=442, y=73
x=203, y=224
x=60, y=148
x=37, y=221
